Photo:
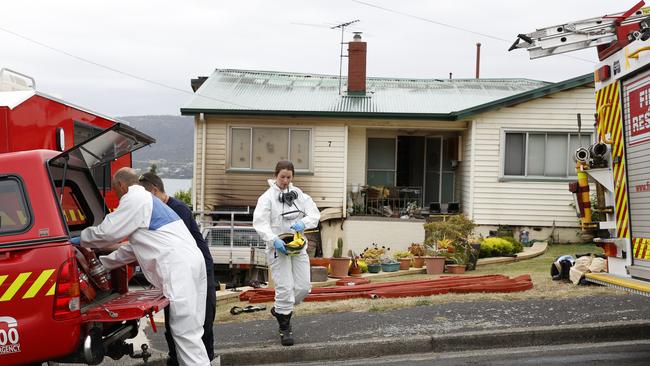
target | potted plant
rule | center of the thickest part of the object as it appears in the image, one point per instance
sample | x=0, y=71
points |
x=389, y=265
x=355, y=268
x=404, y=257
x=434, y=261
x=417, y=250
x=339, y=265
x=460, y=257
x=372, y=256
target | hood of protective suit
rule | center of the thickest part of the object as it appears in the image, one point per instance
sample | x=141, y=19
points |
x=273, y=217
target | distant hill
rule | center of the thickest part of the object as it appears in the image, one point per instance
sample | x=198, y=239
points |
x=174, y=141
x=174, y=137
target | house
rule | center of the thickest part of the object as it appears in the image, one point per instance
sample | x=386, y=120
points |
x=498, y=150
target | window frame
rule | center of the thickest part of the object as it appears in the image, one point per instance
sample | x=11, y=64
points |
x=250, y=169
x=394, y=170
x=29, y=215
x=527, y=132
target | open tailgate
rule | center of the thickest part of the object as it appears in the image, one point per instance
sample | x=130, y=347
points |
x=128, y=306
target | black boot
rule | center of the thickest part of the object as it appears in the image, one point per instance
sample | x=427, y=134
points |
x=284, y=321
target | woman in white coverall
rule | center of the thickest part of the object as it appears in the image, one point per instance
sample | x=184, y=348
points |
x=284, y=208
x=167, y=254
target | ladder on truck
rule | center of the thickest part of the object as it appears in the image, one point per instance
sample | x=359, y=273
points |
x=609, y=33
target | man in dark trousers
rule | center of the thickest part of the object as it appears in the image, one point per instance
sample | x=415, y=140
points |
x=152, y=183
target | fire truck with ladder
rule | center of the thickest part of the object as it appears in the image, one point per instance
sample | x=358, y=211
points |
x=618, y=162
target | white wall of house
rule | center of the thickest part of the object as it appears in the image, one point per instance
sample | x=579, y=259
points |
x=496, y=201
x=359, y=234
x=325, y=184
x=357, y=142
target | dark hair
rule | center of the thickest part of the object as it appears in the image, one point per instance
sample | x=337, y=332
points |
x=284, y=164
x=151, y=179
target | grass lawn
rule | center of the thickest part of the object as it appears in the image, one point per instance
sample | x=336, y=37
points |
x=538, y=268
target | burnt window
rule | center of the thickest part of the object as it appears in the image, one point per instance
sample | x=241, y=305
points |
x=101, y=174
x=15, y=215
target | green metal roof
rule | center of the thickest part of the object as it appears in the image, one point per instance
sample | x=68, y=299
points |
x=229, y=91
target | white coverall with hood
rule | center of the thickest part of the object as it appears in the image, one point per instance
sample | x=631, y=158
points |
x=290, y=273
x=169, y=258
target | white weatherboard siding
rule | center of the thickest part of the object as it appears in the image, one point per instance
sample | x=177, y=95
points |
x=525, y=203
x=356, y=156
x=465, y=171
x=243, y=188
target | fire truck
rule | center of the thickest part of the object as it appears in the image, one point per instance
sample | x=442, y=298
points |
x=32, y=120
x=617, y=163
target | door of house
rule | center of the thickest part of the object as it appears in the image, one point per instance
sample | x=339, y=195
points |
x=439, y=177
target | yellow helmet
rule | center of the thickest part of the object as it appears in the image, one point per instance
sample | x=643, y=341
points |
x=293, y=243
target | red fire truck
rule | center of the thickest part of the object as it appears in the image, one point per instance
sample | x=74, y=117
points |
x=57, y=301
x=32, y=120
x=618, y=161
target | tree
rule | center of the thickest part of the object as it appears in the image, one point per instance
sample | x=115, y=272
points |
x=185, y=196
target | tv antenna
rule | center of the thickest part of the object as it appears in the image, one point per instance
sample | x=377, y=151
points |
x=342, y=26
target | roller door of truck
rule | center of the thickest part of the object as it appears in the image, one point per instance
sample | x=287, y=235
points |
x=636, y=126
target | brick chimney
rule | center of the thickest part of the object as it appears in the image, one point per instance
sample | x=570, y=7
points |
x=357, y=65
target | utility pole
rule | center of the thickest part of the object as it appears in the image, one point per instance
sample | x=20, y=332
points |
x=342, y=26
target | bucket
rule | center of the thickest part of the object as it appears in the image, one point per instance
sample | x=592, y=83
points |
x=609, y=249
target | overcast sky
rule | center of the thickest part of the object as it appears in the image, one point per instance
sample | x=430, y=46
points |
x=170, y=42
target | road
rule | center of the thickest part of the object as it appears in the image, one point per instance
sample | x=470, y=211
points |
x=634, y=353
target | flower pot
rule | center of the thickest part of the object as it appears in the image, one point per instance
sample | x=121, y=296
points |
x=456, y=268
x=435, y=265
x=339, y=267
x=374, y=268
x=390, y=267
x=418, y=262
x=404, y=263
x=355, y=271
x=319, y=262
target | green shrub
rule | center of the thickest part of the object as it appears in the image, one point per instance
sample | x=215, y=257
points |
x=456, y=227
x=185, y=196
x=496, y=247
x=517, y=245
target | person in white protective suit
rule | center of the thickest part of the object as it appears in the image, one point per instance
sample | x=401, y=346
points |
x=167, y=254
x=284, y=208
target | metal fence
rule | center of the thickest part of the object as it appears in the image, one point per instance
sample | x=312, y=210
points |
x=242, y=236
x=391, y=201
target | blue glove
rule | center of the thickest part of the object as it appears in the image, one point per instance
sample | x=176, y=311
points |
x=75, y=240
x=279, y=246
x=298, y=226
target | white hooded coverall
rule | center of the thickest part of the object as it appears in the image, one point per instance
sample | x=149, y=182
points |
x=290, y=273
x=169, y=258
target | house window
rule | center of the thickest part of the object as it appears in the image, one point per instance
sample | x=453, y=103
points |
x=541, y=154
x=260, y=148
x=381, y=161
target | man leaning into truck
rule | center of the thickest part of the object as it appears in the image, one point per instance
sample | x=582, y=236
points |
x=167, y=254
x=152, y=183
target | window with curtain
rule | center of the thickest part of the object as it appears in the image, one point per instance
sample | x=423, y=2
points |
x=541, y=154
x=260, y=148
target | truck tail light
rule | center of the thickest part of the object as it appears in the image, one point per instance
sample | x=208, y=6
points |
x=66, y=295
